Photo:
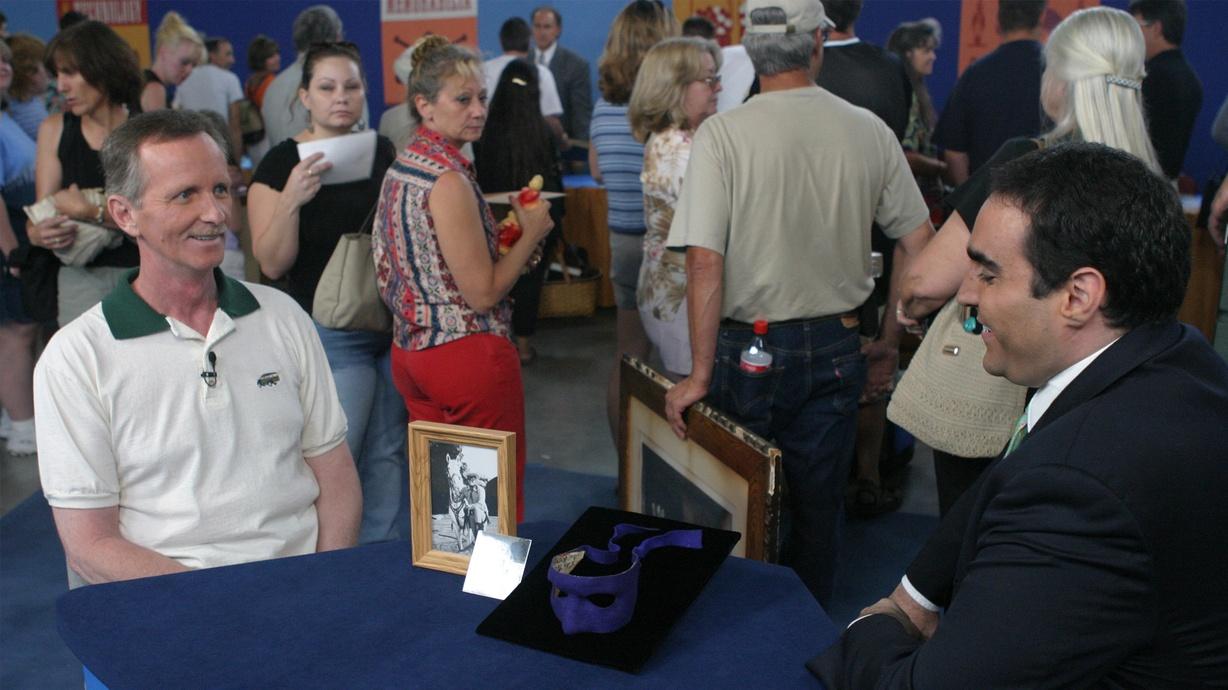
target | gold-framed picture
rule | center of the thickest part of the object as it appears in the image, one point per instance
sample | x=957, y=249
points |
x=462, y=481
x=722, y=475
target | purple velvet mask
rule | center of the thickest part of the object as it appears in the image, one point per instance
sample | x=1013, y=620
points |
x=570, y=597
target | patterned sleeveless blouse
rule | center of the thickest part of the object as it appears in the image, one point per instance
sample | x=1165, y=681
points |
x=414, y=281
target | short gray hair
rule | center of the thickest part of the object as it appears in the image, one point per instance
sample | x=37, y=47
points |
x=121, y=152
x=316, y=24
x=776, y=53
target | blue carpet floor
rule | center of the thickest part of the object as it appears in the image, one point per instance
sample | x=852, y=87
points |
x=32, y=571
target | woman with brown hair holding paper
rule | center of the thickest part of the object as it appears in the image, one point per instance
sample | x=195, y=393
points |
x=440, y=266
x=98, y=77
x=296, y=223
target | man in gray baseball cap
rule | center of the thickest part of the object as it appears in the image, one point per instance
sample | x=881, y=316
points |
x=775, y=216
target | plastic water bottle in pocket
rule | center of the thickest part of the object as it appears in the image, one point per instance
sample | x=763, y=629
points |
x=755, y=358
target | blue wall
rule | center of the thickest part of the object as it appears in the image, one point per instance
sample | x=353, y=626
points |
x=586, y=22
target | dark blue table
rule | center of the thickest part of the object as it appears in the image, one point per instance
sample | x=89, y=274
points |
x=366, y=618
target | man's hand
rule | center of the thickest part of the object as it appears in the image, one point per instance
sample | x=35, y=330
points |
x=72, y=203
x=881, y=361
x=924, y=620
x=887, y=607
x=685, y=393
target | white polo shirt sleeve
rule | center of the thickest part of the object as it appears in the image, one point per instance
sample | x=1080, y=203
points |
x=77, y=463
x=324, y=423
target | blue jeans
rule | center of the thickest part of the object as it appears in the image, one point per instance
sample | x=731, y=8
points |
x=806, y=404
x=375, y=413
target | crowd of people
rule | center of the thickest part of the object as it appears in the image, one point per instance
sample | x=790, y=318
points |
x=1028, y=228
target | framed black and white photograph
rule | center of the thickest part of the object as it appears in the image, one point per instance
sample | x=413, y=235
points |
x=721, y=476
x=461, y=483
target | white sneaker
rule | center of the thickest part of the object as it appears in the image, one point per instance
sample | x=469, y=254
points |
x=21, y=439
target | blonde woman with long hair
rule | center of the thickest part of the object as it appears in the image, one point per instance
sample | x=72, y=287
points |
x=674, y=93
x=177, y=49
x=616, y=159
x=1091, y=89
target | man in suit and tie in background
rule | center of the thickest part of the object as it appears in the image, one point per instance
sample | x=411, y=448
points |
x=571, y=73
x=1092, y=554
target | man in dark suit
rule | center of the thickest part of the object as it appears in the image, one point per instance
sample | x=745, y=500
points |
x=1093, y=553
x=570, y=71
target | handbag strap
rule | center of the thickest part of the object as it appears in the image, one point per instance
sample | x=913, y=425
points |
x=368, y=225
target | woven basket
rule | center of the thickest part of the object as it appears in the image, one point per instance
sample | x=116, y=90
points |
x=569, y=295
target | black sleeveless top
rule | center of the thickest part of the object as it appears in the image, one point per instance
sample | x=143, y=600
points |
x=80, y=164
x=149, y=76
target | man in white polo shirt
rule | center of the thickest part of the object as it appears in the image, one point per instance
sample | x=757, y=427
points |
x=189, y=420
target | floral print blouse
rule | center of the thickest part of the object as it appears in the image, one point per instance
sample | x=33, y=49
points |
x=414, y=281
x=662, y=284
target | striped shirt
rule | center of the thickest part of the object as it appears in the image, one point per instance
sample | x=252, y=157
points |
x=621, y=159
x=414, y=280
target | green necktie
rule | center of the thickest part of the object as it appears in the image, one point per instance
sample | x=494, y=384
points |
x=1017, y=436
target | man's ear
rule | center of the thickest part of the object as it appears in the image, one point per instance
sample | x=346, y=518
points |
x=124, y=214
x=1085, y=294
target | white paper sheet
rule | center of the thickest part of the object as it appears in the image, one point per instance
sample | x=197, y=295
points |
x=352, y=156
x=497, y=565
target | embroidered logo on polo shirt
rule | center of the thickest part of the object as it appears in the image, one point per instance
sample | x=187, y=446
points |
x=267, y=380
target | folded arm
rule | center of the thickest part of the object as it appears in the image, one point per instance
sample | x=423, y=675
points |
x=934, y=277
x=482, y=281
x=1058, y=593
x=97, y=551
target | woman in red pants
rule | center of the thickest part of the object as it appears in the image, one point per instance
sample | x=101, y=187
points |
x=440, y=266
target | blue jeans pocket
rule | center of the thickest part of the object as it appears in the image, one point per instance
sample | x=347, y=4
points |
x=850, y=372
x=748, y=396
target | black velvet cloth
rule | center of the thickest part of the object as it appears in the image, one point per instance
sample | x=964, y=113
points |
x=670, y=579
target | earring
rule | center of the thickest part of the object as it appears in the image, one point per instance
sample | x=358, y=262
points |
x=310, y=127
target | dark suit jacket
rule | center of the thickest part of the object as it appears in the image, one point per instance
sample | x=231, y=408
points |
x=1095, y=555
x=575, y=84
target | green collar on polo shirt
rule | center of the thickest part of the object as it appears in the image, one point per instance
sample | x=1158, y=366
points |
x=129, y=316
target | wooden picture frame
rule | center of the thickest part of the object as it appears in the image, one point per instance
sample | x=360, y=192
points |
x=451, y=496
x=722, y=476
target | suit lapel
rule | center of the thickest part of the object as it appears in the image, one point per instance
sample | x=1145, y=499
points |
x=1122, y=357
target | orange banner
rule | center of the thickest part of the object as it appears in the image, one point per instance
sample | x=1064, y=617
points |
x=725, y=15
x=129, y=18
x=978, y=25
x=404, y=21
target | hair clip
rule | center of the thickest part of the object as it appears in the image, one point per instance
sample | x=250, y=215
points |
x=1132, y=84
x=519, y=82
